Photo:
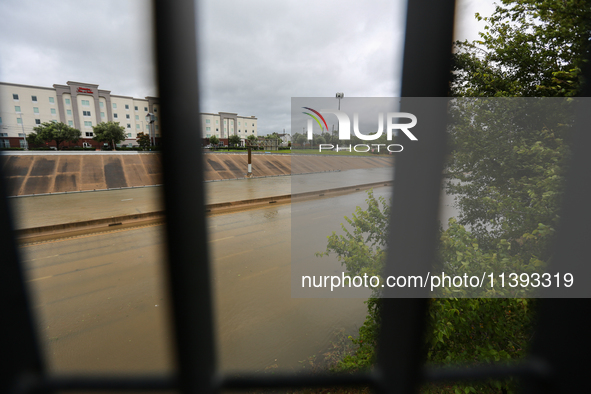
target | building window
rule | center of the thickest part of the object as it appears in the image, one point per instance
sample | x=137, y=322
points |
x=217, y=122
x=156, y=127
x=17, y=108
x=115, y=116
x=52, y=100
x=68, y=102
x=102, y=114
x=0, y=120
x=15, y=96
x=135, y=108
x=208, y=129
x=137, y=117
x=37, y=121
x=34, y=98
x=85, y=113
x=146, y=109
x=89, y=134
x=147, y=127
x=86, y=103
x=129, y=126
x=207, y=121
x=53, y=111
x=208, y=135
x=3, y=134
x=155, y=118
x=54, y=121
x=19, y=120
x=5, y=143
x=128, y=135
x=217, y=129
x=127, y=116
x=158, y=135
x=126, y=106
x=70, y=123
x=114, y=105
x=137, y=126
x=69, y=112
x=87, y=123
x=35, y=110
x=155, y=109
x=21, y=135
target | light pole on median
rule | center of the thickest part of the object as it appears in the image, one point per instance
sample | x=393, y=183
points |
x=25, y=144
x=339, y=96
x=150, y=118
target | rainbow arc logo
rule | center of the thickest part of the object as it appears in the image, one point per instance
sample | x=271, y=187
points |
x=315, y=118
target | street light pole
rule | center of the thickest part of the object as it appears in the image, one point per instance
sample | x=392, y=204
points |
x=150, y=119
x=26, y=145
x=339, y=97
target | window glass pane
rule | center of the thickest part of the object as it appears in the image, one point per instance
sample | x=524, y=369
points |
x=67, y=101
x=52, y=100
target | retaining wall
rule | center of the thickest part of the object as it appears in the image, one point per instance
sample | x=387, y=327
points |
x=54, y=173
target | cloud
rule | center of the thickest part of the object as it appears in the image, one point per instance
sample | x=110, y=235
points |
x=254, y=55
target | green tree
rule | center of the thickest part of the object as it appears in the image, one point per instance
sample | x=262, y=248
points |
x=143, y=140
x=214, y=140
x=528, y=48
x=301, y=139
x=507, y=176
x=58, y=132
x=252, y=140
x=234, y=140
x=109, y=132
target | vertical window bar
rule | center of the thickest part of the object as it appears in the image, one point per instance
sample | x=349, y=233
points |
x=561, y=338
x=189, y=275
x=413, y=221
x=19, y=348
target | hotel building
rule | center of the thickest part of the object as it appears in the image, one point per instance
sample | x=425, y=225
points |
x=83, y=105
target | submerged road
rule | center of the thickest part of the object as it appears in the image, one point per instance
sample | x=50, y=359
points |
x=102, y=306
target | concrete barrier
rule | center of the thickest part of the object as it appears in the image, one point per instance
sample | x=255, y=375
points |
x=59, y=172
x=64, y=230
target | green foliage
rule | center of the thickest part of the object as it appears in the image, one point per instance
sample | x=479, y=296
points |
x=109, y=132
x=143, y=140
x=507, y=164
x=507, y=173
x=53, y=131
x=214, y=140
x=528, y=48
x=234, y=140
x=362, y=248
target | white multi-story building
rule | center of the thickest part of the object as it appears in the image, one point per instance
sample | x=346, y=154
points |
x=84, y=105
x=225, y=124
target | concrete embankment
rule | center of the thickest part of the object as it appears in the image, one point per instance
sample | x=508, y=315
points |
x=55, y=216
x=60, y=172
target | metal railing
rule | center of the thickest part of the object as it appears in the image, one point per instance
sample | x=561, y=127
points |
x=560, y=351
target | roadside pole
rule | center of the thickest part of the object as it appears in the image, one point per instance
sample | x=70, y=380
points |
x=249, y=173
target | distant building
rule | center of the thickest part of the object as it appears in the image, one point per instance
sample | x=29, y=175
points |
x=83, y=105
x=285, y=139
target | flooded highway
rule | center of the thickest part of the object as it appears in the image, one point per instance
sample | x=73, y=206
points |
x=101, y=301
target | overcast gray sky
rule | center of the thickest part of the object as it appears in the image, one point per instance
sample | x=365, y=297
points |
x=254, y=55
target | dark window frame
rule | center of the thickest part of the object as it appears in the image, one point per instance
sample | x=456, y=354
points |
x=554, y=366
